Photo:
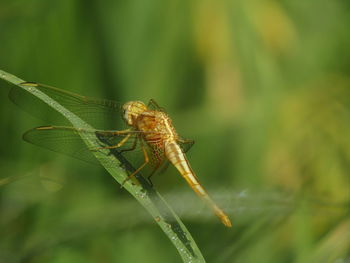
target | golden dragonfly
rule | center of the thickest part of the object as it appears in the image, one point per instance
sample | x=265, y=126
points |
x=149, y=128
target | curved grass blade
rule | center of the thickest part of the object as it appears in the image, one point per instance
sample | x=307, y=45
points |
x=144, y=193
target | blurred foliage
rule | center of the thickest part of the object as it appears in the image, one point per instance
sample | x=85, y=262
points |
x=263, y=88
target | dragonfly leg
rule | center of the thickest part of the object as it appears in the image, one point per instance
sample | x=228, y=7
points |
x=129, y=149
x=154, y=105
x=102, y=132
x=127, y=131
x=152, y=102
x=120, y=144
x=132, y=147
x=138, y=169
x=153, y=172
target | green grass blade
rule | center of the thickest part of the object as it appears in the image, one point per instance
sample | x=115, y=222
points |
x=151, y=200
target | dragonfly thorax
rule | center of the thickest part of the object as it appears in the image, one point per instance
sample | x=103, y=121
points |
x=131, y=111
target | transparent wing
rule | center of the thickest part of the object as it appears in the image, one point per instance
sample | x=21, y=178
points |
x=67, y=140
x=101, y=114
x=185, y=144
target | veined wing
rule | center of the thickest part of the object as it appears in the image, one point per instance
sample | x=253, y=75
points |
x=67, y=140
x=185, y=144
x=100, y=113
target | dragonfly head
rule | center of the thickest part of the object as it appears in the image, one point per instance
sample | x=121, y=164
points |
x=131, y=110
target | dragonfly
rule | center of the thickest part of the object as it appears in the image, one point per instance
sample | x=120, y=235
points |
x=149, y=130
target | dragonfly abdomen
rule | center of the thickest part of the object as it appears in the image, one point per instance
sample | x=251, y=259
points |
x=175, y=155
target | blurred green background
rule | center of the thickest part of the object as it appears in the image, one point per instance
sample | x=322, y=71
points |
x=262, y=86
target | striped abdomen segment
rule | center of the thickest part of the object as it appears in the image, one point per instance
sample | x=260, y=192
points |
x=175, y=155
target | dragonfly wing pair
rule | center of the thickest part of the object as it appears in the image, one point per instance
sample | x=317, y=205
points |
x=100, y=113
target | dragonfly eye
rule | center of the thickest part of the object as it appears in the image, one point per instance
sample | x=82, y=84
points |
x=131, y=110
x=125, y=114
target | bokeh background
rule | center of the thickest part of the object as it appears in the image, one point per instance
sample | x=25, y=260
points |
x=262, y=86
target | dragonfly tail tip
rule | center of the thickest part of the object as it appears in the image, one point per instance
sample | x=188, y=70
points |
x=226, y=221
